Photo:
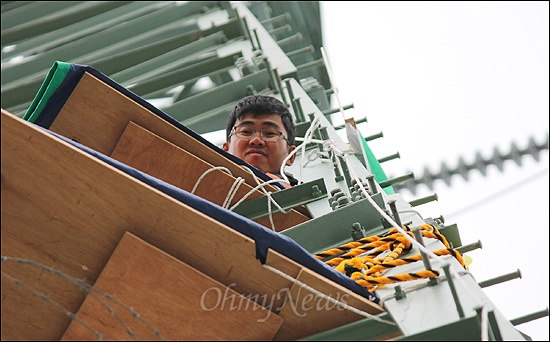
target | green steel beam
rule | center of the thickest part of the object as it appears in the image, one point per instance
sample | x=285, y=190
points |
x=24, y=88
x=287, y=199
x=229, y=93
x=129, y=62
x=182, y=45
x=368, y=329
x=185, y=75
x=170, y=61
x=56, y=20
x=12, y=5
x=466, y=329
x=84, y=28
x=212, y=120
x=31, y=11
x=20, y=109
x=13, y=97
x=334, y=228
x=232, y=29
x=116, y=38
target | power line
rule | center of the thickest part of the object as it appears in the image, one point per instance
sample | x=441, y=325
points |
x=504, y=191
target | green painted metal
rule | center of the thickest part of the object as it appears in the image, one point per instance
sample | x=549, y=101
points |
x=467, y=329
x=146, y=56
x=302, y=127
x=64, y=35
x=287, y=199
x=121, y=37
x=55, y=18
x=334, y=228
x=11, y=5
x=154, y=47
x=171, y=61
x=391, y=181
x=30, y=11
x=469, y=247
x=423, y=200
x=390, y=157
x=368, y=329
x=500, y=279
x=141, y=63
x=188, y=110
x=530, y=317
x=189, y=75
x=452, y=235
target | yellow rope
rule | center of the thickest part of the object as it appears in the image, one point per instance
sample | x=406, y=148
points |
x=367, y=270
x=356, y=244
x=370, y=282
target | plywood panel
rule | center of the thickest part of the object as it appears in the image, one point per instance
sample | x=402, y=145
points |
x=168, y=300
x=306, y=313
x=68, y=210
x=153, y=155
x=96, y=115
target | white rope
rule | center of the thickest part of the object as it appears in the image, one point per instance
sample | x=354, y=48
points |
x=269, y=210
x=454, y=273
x=207, y=172
x=308, y=136
x=400, y=229
x=314, y=155
x=328, y=298
x=233, y=191
x=259, y=186
x=270, y=199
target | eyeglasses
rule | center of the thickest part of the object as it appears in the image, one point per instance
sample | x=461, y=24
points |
x=266, y=135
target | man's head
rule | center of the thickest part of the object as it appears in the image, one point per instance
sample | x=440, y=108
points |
x=267, y=149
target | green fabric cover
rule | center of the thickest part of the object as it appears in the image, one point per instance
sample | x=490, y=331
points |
x=53, y=80
x=375, y=167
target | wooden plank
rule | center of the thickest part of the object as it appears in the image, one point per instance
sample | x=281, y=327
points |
x=97, y=114
x=168, y=299
x=306, y=313
x=147, y=152
x=68, y=210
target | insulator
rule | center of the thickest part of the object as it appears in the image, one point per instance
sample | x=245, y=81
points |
x=480, y=164
x=445, y=173
x=427, y=178
x=497, y=159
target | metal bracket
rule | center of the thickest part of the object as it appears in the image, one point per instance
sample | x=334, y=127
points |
x=333, y=228
x=287, y=199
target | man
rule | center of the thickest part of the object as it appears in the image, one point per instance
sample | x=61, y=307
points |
x=260, y=131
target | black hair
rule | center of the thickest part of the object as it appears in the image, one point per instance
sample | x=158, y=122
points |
x=260, y=105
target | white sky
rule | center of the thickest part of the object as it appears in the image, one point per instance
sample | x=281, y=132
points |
x=444, y=80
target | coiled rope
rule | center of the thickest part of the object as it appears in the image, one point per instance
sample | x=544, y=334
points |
x=361, y=261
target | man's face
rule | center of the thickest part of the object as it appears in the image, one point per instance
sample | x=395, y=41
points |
x=265, y=156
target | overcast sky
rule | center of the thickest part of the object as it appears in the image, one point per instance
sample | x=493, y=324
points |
x=443, y=80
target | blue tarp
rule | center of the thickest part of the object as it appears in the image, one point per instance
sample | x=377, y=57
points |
x=63, y=78
x=264, y=238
